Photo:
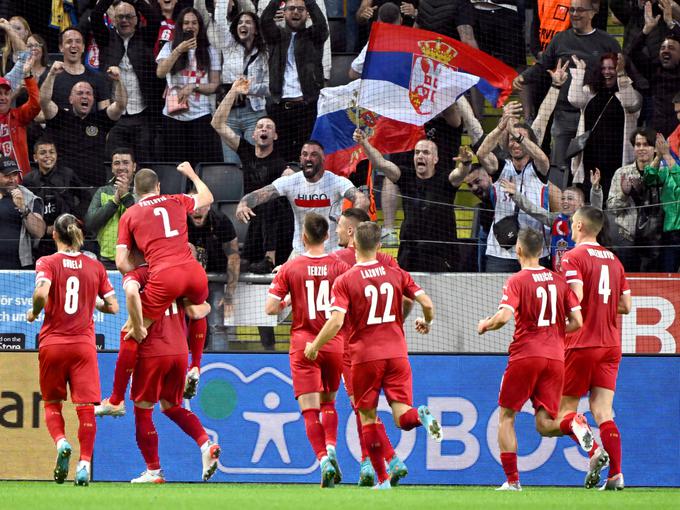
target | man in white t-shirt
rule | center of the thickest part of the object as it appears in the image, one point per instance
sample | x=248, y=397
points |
x=310, y=190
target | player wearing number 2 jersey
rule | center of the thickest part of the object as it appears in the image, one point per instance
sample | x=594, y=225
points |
x=369, y=296
x=594, y=353
x=67, y=286
x=157, y=225
x=308, y=279
x=540, y=301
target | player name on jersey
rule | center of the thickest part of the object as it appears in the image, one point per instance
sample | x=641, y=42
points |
x=600, y=254
x=152, y=201
x=373, y=272
x=72, y=264
x=542, y=277
x=317, y=270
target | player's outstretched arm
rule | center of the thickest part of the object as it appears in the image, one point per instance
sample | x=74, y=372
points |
x=625, y=304
x=203, y=194
x=575, y=321
x=329, y=330
x=423, y=324
x=42, y=290
x=497, y=321
x=108, y=304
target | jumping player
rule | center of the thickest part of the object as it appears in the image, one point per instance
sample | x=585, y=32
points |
x=69, y=285
x=540, y=301
x=593, y=354
x=370, y=296
x=308, y=278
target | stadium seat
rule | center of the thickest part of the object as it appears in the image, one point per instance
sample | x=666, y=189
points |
x=229, y=210
x=338, y=34
x=339, y=67
x=224, y=180
x=172, y=182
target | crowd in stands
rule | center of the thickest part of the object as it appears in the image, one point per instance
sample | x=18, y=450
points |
x=93, y=90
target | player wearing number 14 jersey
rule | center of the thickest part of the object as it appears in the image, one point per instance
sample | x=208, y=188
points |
x=67, y=285
x=308, y=279
x=369, y=297
x=593, y=354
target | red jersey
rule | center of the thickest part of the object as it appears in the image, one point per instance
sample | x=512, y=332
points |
x=541, y=301
x=157, y=225
x=371, y=296
x=309, y=279
x=349, y=256
x=604, y=281
x=166, y=336
x=166, y=33
x=76, y=281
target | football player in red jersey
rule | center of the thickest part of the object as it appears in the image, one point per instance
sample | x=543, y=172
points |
x=308, y=279
x=347, y=223
x=159, y=377
x=69, y=285
x=540, y=301
x=593, y=354
x=369, y=295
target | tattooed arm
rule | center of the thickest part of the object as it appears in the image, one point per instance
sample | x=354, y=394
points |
x=42, y=290
x=244, y=211
x=233, y=269
x=357, y=198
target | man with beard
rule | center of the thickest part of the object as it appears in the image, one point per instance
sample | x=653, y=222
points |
x=481, y=185
x=311, y=190
x=20, y=218
x=80, y=131
x=295, y=70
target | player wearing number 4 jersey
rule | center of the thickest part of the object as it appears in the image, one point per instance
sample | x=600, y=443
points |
x=593, y=354
x=308, y=279
x=369, y=295
x=67, y=285
x=540, y=301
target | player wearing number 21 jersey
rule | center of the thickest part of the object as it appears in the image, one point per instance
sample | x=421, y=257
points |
x=68, y=284
x=308, y=279
x=593, y=354
x=540, y=301
x=369, y=298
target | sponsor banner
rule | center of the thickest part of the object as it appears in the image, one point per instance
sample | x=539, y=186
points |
x=26, y=449
x=246, y=404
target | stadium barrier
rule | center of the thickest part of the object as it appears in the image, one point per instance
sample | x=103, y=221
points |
x=461, y=299
x=246, y=403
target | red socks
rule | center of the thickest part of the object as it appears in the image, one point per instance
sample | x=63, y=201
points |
x=388, y=451
x=315, y=432
x=409, y=420
x=375, y=450
x=87, y=431
x=611, y=440
x=188, y=422
x=362, y=441
x=509, y=463
x=54, y=421
x=329, y=420
x=197, y=331
x=147, y=438
x=565, y=428
x=125, y=364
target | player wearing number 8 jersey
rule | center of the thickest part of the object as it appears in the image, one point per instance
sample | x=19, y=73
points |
x=157, y=225
x=369, y=296
x=308, y=279
x=593, y=354
x=540, y=301
x=67, y=286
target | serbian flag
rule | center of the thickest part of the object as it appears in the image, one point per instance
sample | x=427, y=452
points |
x=411, y=75
x=338, y=117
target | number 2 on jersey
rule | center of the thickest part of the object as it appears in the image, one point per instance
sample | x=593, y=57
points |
x=169, y=232
x=71, y=297
x=318, y=301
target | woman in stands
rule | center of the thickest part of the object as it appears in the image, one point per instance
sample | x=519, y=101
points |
x=69, y=285
x=191, y=68
x=16, y=32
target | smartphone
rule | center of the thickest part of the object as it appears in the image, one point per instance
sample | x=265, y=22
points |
x=186, y=35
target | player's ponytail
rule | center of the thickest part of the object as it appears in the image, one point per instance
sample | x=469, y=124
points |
x=69, y=231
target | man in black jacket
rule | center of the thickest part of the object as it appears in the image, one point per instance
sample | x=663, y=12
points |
x=295, y=70
x=130, y=47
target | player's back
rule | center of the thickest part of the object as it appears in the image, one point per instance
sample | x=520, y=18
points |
x=76, y=282
x=371, y=295
x=541, y=301
x=166, y=336
x=309, y=280
x=157, y=225
x=603, y=279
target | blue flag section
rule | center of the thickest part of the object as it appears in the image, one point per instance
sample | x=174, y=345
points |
x=246, y=403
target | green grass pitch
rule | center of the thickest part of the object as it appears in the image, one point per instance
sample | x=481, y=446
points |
x=100, y=496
